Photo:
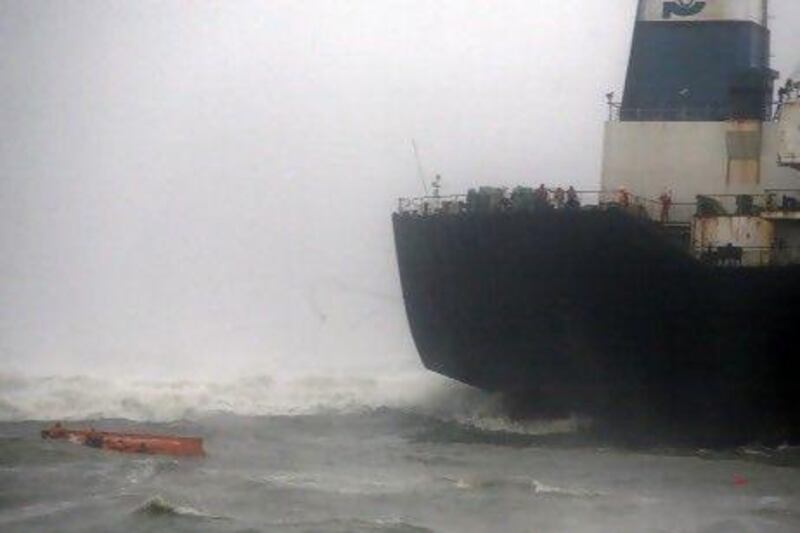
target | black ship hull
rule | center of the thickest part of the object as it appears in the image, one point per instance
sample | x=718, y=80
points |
x=598, y=312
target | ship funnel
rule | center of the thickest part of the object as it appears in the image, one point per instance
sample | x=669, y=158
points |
x=703, y=11
x=699, y=60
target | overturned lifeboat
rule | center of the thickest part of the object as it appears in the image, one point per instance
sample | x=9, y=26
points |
x=128, y=442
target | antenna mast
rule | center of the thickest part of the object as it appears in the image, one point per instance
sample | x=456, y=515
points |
x=420, y=173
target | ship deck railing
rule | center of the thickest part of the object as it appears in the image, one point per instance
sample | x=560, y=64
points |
x=772, y=203
x=726, y=256
x=778, y=204
x=695, y=113
x=501, y=200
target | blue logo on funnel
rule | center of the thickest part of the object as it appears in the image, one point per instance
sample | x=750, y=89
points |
x=683, y=8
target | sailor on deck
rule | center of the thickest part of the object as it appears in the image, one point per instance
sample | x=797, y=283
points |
x=558, y=198
x=666, y=204
x=624, y=197
x=541, y=197
x=573, y=202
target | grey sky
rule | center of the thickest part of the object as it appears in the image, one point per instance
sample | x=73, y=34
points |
x=203, y=188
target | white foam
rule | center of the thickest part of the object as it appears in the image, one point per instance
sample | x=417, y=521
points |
x=485, y=412
x=85, y=397
x=160, y=506
x=533, y=485
x=499, y=423
x=541, y=488
x=337, y=483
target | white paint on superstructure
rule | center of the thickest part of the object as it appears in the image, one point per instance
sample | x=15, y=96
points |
x=688, y=158
x=789, y=133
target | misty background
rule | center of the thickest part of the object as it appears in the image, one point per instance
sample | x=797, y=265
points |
x=204, y=189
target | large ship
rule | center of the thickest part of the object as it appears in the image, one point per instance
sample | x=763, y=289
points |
x=670, y=296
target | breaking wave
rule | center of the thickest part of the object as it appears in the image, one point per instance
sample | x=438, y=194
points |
x=158, y=506
x=84, y=397
x=523, y=484
x=455, y=411
x=334, y=483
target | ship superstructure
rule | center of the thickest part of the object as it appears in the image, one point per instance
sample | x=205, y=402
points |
x=698, y=119
x=668, y=294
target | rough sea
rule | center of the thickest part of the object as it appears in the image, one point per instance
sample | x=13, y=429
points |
x=341, y=454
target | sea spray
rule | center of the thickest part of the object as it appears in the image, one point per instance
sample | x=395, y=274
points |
x=86, y=397
x=456, y=407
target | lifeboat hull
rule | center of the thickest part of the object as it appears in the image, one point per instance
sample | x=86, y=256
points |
x=129, y=442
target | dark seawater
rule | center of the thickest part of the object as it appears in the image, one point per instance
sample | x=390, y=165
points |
x=365, y=468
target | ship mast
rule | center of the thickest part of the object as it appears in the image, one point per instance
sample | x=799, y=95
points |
x=420, y=172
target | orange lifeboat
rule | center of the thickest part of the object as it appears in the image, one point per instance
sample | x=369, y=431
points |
x=128, y=442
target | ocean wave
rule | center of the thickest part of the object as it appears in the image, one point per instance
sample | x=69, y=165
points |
x=336, y=483
x=783, y=455
x=483, y=416
x=502, y=424
x=523, y=484
x=143, y=469
x=86, y=397
x=158, y=506
x=432, y=409
x=351, y=525
x=544, y=489
x=456, y=406
x=36, y=510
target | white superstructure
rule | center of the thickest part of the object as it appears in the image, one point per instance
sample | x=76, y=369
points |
x=698, y=125
x=695, y=158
